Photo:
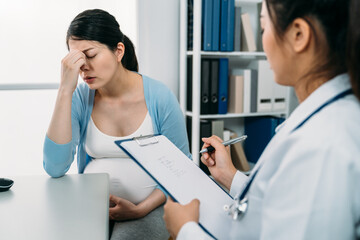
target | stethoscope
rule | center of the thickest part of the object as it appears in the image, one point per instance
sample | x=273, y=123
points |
x=240, y=203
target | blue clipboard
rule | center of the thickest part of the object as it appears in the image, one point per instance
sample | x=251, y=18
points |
x=181, y=179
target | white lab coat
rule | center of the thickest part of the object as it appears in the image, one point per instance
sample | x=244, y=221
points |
x=308, y=185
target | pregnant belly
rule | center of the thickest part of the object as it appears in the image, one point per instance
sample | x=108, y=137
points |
x=127, y=179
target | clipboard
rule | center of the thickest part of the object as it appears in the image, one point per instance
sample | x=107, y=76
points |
x=182, y=179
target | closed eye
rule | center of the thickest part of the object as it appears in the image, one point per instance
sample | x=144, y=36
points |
x=89, y=57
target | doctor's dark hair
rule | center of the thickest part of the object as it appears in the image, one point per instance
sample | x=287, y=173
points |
x=353, y=46
x=332, y=16
x=98, y=25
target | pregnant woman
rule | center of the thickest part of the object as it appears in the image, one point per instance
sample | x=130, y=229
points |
x=114, y=102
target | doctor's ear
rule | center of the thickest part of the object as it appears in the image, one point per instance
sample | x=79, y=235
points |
x=120, y=51
x=300, y=34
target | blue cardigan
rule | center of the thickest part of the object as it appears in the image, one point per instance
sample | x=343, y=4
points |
x=163, y=107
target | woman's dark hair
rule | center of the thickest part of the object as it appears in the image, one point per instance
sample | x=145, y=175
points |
x=332, y=15
x=353, y=46
x=98, y=25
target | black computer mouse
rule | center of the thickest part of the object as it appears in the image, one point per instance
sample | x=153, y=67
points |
x=5, y=184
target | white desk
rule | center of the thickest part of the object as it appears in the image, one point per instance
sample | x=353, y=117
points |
x=70, y=207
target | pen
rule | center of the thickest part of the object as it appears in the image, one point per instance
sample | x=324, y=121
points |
x=225, y=143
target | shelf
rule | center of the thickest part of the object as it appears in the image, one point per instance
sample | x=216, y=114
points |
x=230, y=54
x=237, y=60
x=237, y=115
x=248, y=1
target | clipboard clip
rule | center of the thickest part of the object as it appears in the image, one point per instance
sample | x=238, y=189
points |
x=146, y=140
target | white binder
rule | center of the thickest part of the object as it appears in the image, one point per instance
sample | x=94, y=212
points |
x=182, y=179
x=265, y=87
x=271, y=95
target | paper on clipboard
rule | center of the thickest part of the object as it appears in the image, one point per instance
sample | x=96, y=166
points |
x=182, y=179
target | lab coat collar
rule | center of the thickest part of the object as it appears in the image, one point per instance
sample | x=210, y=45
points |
x=316, y=99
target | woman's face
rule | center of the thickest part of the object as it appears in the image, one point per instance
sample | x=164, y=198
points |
x=276, y=50
x=101, y=63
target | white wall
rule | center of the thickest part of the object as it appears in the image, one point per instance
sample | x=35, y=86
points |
x=32, y=44
x=32, y=34
x=25, y=116
x=158, y=40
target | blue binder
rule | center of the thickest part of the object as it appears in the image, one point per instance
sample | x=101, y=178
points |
x=207, y=18
x=223, y=85
x=259, y=130
x=227, y=21
x=216, y=26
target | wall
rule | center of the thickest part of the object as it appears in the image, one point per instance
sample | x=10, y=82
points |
x=158, y=40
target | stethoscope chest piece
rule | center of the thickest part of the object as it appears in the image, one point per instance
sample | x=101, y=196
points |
x=237, y=209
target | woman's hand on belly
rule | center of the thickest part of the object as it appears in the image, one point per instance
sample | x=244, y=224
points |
x=122, y=209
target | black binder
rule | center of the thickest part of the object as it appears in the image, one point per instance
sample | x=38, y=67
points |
x=205, y=131
x=189, y=84
x=205, y=87
x=214, y=87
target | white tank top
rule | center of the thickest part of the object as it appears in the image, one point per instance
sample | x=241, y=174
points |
x=127, y=179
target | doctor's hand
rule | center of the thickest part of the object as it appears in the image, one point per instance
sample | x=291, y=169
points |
x=176, y=215
x=219, y=162
x=122, y=209
x=70, y=68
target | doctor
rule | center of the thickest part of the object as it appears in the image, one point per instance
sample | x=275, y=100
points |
x=305, y=184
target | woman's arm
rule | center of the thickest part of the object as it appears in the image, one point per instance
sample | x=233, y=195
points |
x=176, y=216
x=63, y=132
x=219, y=162
x=122, y=209
x=155, y=199
x=60, y=126
x=171, y=120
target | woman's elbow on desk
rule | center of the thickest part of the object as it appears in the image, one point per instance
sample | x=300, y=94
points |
x=53, y=171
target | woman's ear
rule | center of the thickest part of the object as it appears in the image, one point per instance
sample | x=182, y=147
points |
x=120, y=51
x=300, y=35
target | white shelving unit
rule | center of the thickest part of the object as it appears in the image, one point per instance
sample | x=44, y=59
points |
x=250, y=55
x=197, y=55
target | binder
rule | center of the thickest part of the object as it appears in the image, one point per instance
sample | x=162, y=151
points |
x=182, y=179
x=189, y=130
x=237, y=29
x=205, y=131
x=226, y=135
x=189, y=84
x=227, y=25
x=207, y=18
x=259, y=45
x=238, y=156
x=190, y=24
x=223, y=85
x=260, y=131
x=236, y=94
x=217, y=128
x=216, y=26
x=214, y=86
x=265, y=87
x=205, y=87
x=250, y=91
x=280, y=98
x=248, y=41
x=272, y=96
